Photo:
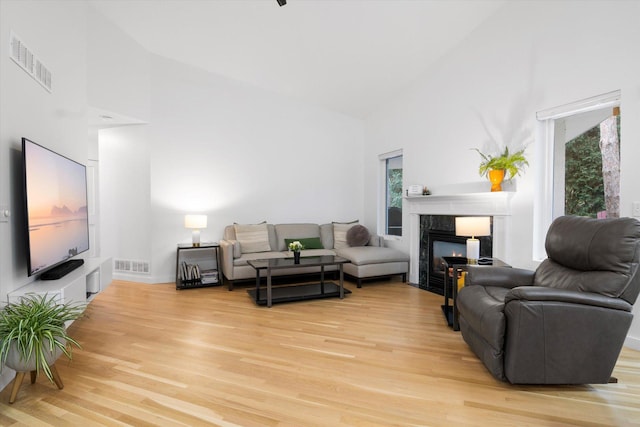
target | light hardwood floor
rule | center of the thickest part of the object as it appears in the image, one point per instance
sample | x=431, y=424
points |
x=383, y=356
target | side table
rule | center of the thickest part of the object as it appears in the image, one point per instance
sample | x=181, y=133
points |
x=454, y=270
x=198, y=266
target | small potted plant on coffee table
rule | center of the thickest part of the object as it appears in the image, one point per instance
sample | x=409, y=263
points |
x=296, y=247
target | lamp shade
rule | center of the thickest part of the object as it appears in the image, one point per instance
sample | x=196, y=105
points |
x=473, y=226
x=195, y=221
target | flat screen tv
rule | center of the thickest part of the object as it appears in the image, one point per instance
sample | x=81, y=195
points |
x=57, y=222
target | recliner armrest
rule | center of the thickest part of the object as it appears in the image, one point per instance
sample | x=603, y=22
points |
x=504, y=277
x=542, y=293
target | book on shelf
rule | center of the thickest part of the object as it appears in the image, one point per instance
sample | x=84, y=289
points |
x=190, y=271
x=209, y=276
x=208, y=272
x=183, y=271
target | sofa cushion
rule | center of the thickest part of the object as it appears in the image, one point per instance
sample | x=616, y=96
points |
x=340, y=233
x=362, y=255
x=253, y=237
x=554, y=275
x=326, y=235
x=358, y=235
x=590, y=255
x=306, y=242
x=294, y=231
x=589, y=244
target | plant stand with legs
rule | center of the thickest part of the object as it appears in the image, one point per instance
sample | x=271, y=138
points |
x=19, y=378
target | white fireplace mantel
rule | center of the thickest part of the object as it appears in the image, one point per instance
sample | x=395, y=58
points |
x=497, y=205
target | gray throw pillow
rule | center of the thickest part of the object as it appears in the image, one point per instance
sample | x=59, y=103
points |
x=358, y=235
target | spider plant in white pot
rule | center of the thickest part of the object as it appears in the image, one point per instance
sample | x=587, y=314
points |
x=33, y=336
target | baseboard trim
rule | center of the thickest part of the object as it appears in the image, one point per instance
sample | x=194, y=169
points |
x=632, y=342
x=133, y=277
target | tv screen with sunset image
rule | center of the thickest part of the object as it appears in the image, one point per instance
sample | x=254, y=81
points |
x=56, y=207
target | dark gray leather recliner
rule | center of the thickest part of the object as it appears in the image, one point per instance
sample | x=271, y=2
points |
x=566, y=322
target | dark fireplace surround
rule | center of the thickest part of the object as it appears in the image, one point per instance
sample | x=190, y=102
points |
x=437, y=239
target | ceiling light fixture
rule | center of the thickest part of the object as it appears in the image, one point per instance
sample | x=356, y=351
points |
x=282, y=2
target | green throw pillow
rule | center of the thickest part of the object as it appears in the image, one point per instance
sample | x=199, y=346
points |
x=307, y=242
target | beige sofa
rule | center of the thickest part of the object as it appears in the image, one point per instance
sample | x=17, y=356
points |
x=368, y=258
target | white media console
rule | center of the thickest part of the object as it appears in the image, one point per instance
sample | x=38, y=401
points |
x=78, y=286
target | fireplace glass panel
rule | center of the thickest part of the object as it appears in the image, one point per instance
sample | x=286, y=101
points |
x=442, y=249
x=438, y=239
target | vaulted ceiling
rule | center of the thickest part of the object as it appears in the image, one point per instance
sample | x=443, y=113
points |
x=345, y=55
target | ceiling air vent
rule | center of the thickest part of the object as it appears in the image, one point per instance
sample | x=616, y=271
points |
x=22, y=56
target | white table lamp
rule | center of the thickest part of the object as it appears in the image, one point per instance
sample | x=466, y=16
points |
x=473, y=226
x=196, y=223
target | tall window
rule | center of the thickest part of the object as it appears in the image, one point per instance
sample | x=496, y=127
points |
x=579, y=162
x=392, y=164
x=592, y=170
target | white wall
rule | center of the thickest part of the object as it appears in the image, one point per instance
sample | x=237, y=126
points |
x=240, y=154
x=211, y=145
x=56, y=33
x=125, y=215
x=117, y=69
x=529, y=57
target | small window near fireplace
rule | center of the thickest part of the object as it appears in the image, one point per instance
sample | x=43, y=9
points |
x=391, y=215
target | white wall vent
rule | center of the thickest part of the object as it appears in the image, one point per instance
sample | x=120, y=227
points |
x=121, y=265
x=25, y=58
x=131, y=266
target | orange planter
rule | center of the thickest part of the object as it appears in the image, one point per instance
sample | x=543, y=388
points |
x=496, y=176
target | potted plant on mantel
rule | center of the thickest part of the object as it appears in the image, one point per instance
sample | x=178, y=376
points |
x=502, y=166
x=33, y=336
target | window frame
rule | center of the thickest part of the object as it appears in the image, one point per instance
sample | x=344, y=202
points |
x=382, y=194
x=546, y=200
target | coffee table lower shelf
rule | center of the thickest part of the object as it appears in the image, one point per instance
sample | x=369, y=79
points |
x=297, y=293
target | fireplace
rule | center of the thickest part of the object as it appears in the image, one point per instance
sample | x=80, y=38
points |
x=438, y=240
x=496, y=205
x=441, y=245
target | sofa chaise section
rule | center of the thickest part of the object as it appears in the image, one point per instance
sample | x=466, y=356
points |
x=367, y=262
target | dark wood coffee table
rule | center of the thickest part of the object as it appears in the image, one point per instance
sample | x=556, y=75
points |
x=302, y=291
